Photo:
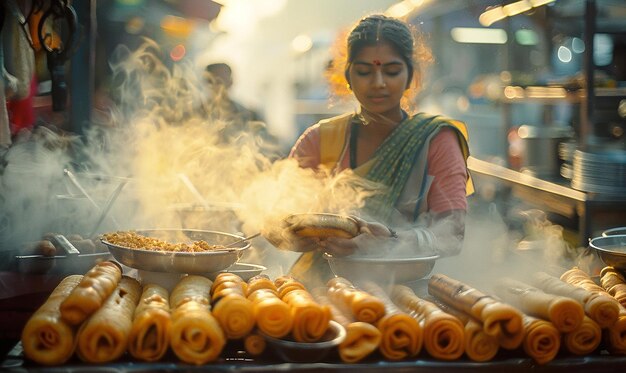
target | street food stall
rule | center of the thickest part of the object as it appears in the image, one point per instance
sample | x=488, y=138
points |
x=544, y=115
x=119, y=256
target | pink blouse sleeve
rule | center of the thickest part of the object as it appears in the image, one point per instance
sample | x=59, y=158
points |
x=447, y=165
x=307, y=149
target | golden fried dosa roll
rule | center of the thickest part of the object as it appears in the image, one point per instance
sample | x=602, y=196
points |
x=195, y=336
x=225, y=279
x=364, y=306
x=585, y=339
x=479, y=346
x=235, y=314
x=500, y=320
x=230, y=306
x=149, y=336
x=615, y=336
x=599, y=307
x=46, y=338
x=94, y=288
x=310, y=319
x=191, y=288
x=542, y=340
x=361, y=338
x=254, y=344
x=104, y=336
x=401, y=335
x=564, y=312
x=285, y=284
x=272, y=315
x=614, y=283
x=443, y=333
x=580, y=278
x=260, y=282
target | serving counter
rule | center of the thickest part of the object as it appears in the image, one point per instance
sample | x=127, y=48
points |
x=234, y=359
x=585, y=214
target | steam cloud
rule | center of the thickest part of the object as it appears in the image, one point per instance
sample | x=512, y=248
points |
x=186, y=162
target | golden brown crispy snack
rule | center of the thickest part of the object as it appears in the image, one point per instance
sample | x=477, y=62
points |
x=402, y=335
x=254, y=344
x=272, y=315
x=614, y=283
x=104, y=336
x=310, y=319
x=46, y=338
x=615, y=336
x=196, y=336
x=362, y=338
x=601, y=308
x=149, y=336
x=232, y=309
x=564, y=312
x=479, y=346
x=364, y=306
x=500, y=320
x=585, y=339
x=542, y=340
x=443, y=332
x=93, y=290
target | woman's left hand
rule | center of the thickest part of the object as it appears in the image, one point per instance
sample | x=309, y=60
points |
x=368, y=231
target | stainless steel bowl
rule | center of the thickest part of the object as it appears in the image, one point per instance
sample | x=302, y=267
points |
x=308, y=352
x=611, y=249
x=614, y=231
x=181, y=262
x=381, y=270
x=244, y=270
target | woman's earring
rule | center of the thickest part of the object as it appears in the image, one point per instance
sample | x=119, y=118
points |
x=348, y=86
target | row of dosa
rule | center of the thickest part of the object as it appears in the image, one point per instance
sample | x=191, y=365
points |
x=103, y=314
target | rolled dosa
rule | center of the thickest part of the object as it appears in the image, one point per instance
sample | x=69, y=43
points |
x=364, y=306
x=254, y=344
x=443, y=332
x=46, y=338
x=310, y=319
x=149, y=336
x=104, y=336
x=614, y=283
x=615, y=336
x=585, y=339
x=272, y=315
x=500, y=320
x=599, y=307
x=401, y=335
x=235, y=314
x=232, y=309
x=479, y=346
x=564, y=312
x=92, y=291
x=541, y=341
x=196, y=336
x=362, y=338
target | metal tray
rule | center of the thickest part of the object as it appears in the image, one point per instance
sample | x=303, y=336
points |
x=181, y=262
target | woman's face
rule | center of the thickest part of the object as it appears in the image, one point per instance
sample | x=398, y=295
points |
x=378, y=78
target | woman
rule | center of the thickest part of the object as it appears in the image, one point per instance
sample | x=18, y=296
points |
x=419, y=158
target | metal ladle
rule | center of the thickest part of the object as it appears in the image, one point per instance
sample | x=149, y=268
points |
x=242, y=240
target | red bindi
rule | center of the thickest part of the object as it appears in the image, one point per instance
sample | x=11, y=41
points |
x=376, y=62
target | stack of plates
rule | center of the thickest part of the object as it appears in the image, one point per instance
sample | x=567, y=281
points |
x=602, y=172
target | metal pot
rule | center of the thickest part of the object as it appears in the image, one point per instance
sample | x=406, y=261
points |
x=540, y=156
